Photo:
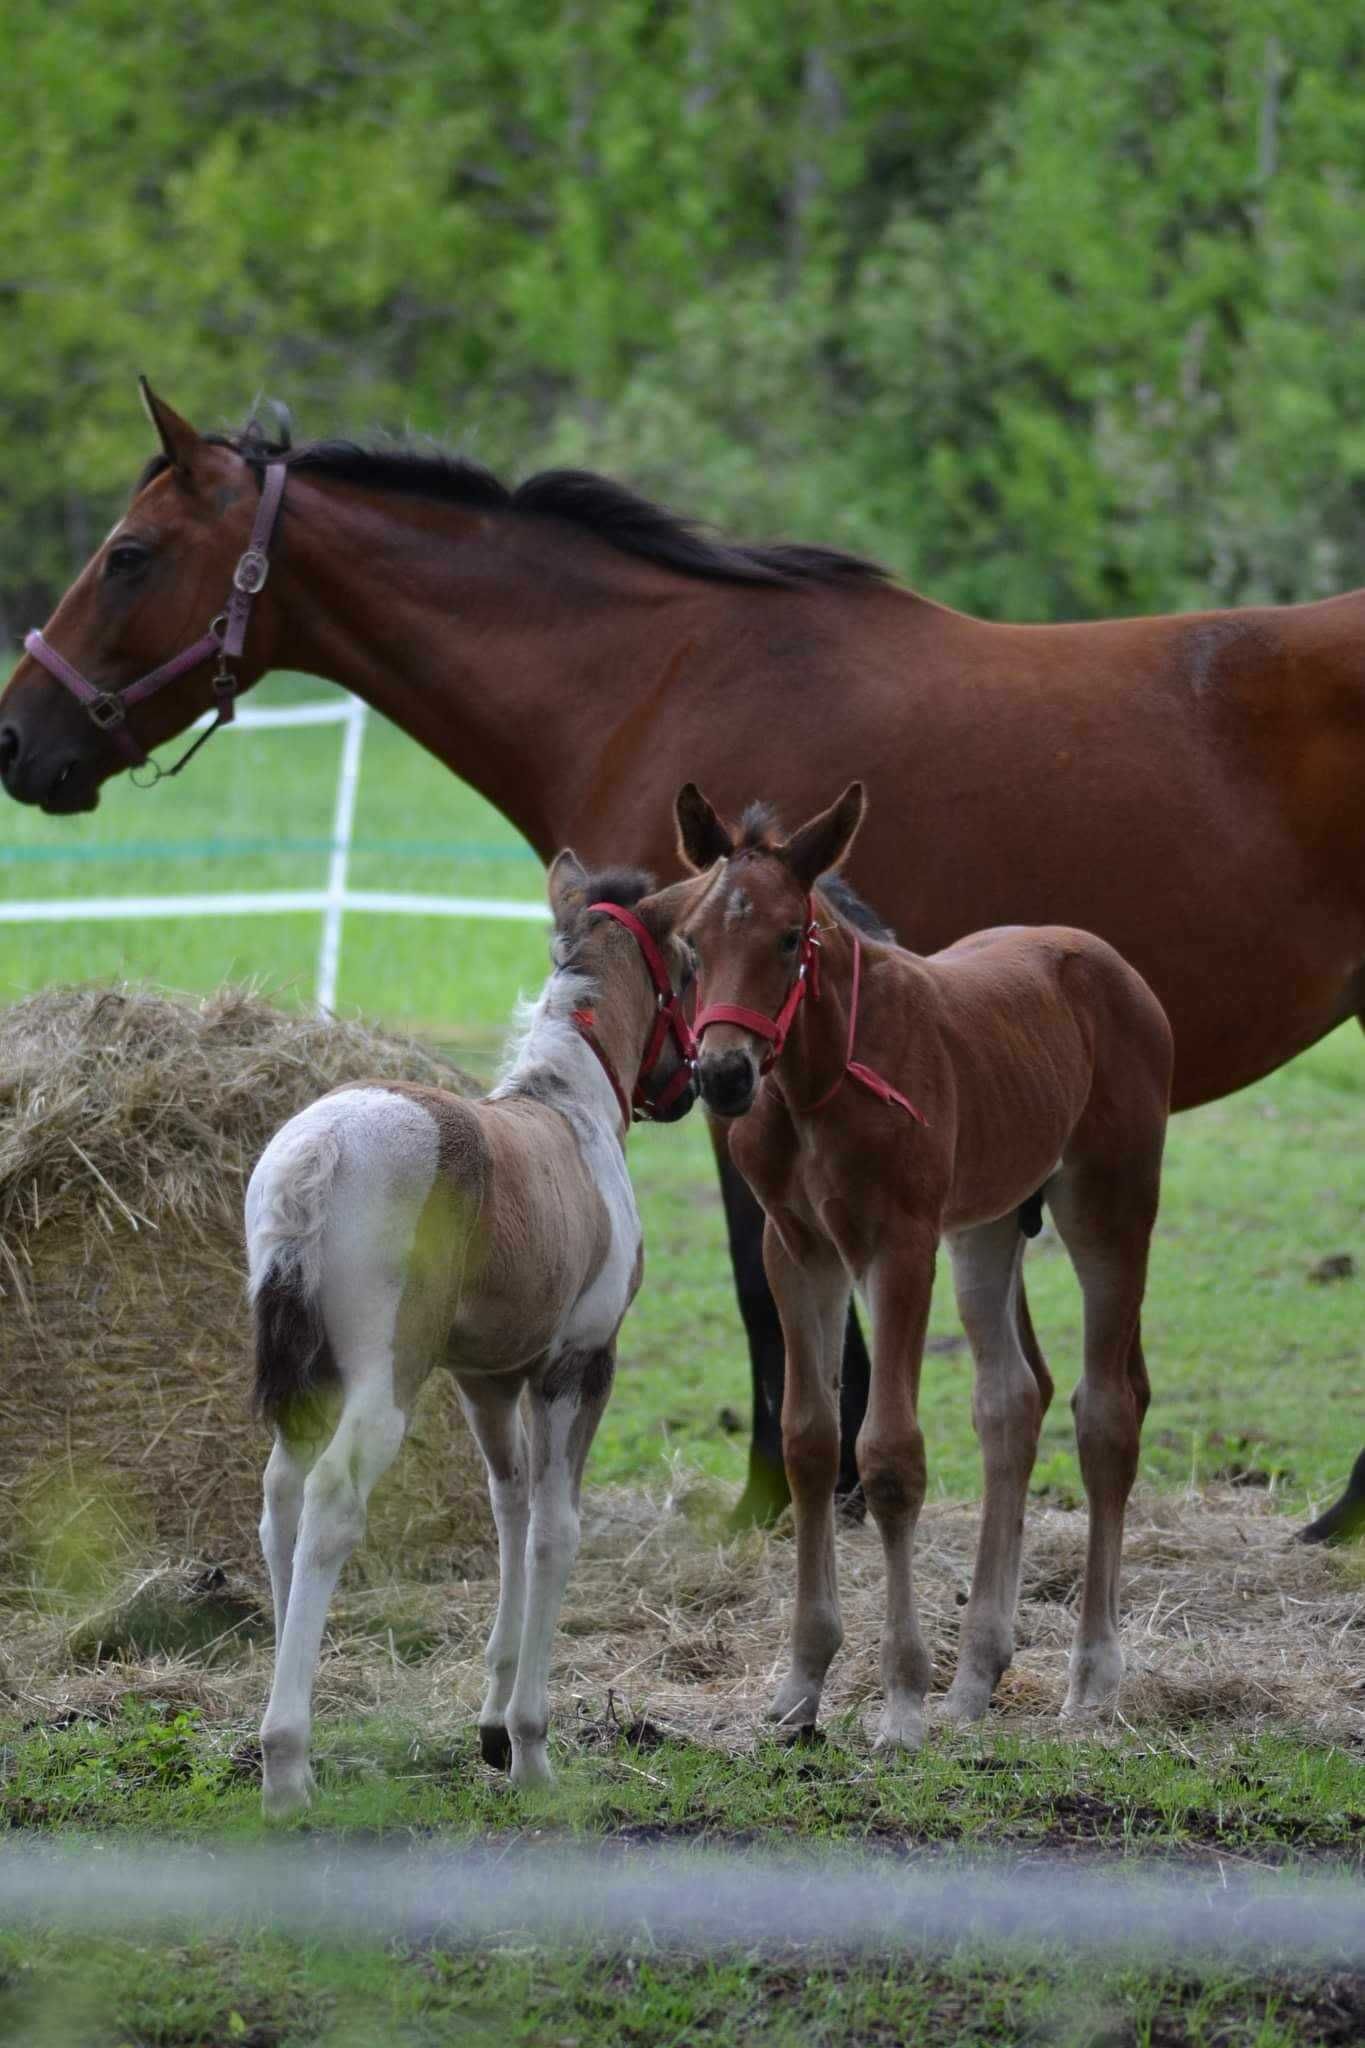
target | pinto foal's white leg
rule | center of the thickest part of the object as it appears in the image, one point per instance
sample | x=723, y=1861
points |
x=565, y=1409
x=493, y=1410
x=1007, y=1410
x=285, y=1475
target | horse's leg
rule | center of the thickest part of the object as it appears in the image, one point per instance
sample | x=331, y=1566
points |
x=493, y=1409
x=286, y=1470
x=891, y=1462
x=812, y=1300
x=1104, y=1215
x=766, y=1493
x=565, y=1408
x=369, y=1431
x=1007, y=1412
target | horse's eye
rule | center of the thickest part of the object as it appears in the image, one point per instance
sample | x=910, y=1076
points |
x=790, y=942
x=126, y=558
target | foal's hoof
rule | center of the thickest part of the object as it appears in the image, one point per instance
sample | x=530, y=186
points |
x=283, y=1798
x=900, y=1726
x=496, y=1745
x=965, y=1700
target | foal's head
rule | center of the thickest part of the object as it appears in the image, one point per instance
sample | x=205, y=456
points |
x=626, y=1001
x=746, y=921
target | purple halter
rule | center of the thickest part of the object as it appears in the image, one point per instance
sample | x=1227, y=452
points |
x=108, y=709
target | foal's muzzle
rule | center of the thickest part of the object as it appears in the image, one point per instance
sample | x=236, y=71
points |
x=729, y=1081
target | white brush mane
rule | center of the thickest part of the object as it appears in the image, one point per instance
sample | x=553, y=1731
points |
x=545, y=1041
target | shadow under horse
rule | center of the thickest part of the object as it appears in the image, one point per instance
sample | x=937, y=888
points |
x=1187, y=787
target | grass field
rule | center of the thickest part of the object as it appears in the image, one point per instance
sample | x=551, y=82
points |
x=1259, y=1391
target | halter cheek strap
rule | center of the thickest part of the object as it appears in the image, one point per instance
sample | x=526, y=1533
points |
x=225, y=638
x=669, y=1022
x=776, y=1029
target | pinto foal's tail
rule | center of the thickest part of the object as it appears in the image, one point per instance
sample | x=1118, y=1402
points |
x=286, y=1213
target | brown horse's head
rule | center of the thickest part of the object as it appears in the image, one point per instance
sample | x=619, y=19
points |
x=151, y=590
x=747, y=922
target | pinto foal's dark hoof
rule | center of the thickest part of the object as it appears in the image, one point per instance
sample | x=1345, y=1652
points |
x=496, y=1745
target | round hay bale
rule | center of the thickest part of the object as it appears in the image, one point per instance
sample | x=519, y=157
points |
x=129, y=1125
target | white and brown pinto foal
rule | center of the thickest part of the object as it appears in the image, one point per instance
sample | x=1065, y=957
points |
x=906, y=1100
x=393, y=1229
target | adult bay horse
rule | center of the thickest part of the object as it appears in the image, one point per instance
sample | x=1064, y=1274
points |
x=1040, y=1065
x=1191, y=788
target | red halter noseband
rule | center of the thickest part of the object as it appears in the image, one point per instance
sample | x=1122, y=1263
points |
x=775, y=1029
x=108, y=709
x=669, y=1022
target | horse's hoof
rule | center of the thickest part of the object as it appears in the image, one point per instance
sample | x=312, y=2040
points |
x=761, y=1503
x=900, y=1726
x=496, y=1745
x=962, y=1704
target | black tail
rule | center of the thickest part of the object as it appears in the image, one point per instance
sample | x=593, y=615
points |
x=293, y=1351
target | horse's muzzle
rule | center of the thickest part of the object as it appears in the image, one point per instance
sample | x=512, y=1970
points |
x=729, y=1081
x=60, y=783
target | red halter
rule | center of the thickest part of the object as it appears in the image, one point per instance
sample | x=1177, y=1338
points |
x=108, y=709
x=775, y=1029
x=669, y=1022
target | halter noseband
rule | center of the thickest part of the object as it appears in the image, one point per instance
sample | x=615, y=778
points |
x=669, y=1022
x=108, y=709
x=775, y=1029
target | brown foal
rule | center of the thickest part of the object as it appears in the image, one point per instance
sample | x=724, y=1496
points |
x=906, y=1100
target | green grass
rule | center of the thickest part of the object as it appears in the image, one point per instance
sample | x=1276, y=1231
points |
x=161, y=1775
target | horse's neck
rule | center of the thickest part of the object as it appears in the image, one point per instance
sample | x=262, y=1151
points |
x=473, y=636
x=549, y=1059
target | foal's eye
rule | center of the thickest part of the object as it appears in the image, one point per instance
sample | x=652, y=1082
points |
x=790, y=942
x=126, y=558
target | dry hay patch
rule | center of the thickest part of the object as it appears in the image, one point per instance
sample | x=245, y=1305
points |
x=129, y=1125
x=1230, y=1627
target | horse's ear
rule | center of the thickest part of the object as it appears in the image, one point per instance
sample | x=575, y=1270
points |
x=702, y=838
x=567, y=884
x=659, y=912
x=823, y=841
x=180, y=444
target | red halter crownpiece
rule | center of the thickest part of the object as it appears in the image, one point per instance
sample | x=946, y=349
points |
x=669, y=1021
x=225, y=638
x=775, y=1029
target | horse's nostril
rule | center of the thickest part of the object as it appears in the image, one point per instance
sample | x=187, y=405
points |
x=9, y=748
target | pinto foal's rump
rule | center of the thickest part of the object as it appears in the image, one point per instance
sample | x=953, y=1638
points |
x=906, y=1100
x=392, y=1229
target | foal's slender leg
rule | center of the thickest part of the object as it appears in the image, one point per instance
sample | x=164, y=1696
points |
x=1105, y=1219
x=566, y=1403
x=1007, y=1412
x=812, y=1300
x=891, y=1462
x=493, y=1408
x=368, y=1434
x=288, y=1466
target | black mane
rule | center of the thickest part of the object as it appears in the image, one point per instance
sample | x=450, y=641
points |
x=610, y=511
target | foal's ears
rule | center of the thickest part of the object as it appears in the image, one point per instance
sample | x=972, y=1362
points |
x=823, y=841
x=567, y=885
x=702, y=838
x=180, y=444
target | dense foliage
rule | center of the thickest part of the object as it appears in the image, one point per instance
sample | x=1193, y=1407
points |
x=1050, y=304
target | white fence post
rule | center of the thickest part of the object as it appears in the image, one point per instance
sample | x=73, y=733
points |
x=343, y=823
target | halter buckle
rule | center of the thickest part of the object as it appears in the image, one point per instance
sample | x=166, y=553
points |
x=106, y=711
x=250, y=574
